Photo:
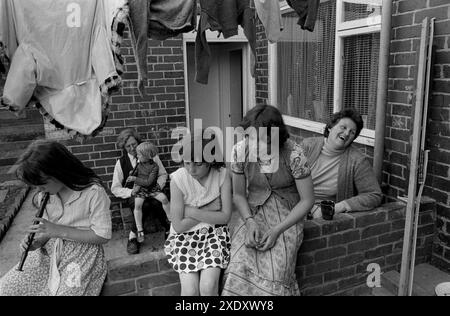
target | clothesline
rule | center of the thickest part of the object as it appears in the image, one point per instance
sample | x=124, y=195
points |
x=70, y=75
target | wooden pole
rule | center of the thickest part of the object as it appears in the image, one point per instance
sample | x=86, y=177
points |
x=408, y=241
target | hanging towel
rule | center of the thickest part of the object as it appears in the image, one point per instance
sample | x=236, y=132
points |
x=157, y=19
x=307, y=11
x=64, y=61
x=224, y=16
x=270, y=15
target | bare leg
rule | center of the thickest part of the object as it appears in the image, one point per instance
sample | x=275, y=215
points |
x=138, y=202
x=190, y=284
x=209, y=282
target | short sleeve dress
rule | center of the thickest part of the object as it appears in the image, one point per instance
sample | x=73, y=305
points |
x=271, y=197
x=204, y=245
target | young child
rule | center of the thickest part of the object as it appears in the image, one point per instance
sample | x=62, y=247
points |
x=67, y=256
x=145, y=184
x=198, y=244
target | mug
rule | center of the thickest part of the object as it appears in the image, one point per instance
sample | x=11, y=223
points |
x=327, y=208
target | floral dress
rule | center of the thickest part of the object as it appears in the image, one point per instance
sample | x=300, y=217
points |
x=271, y=197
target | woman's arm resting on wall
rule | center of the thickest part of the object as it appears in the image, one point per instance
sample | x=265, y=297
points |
x=369, y=194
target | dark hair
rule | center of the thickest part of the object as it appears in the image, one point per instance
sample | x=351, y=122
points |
x=350, y=113
x=45, y=158
x=264, y=115
x=125, y=135
x=192, y=140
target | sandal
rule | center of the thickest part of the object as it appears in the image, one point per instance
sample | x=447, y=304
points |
x=140, y=236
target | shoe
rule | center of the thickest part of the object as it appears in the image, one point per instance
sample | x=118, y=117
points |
x=133, y=246
x=140, y=237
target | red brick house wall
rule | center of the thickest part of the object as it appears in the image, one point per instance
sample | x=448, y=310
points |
x=406, y=23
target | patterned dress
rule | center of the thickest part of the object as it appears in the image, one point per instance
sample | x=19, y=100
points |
x=64, y=267
x=205, y=245
x=271, y=197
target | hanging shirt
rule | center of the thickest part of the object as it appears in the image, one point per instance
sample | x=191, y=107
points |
x=307, y=11
x=158, y=19
x=270, y=15
x=64, y=59
x=224, y=16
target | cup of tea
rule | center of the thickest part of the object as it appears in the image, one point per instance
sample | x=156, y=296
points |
x=327, y=208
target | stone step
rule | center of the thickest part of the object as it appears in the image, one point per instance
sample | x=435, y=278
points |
x=7, y=173
x=29, y=116
x=13, y=146
x=21, y=133
x=426, y=277
x=381, y=291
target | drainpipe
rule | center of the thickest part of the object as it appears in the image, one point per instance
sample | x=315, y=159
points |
x=382, y=90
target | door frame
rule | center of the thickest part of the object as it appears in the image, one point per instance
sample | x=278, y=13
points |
x=248, y=82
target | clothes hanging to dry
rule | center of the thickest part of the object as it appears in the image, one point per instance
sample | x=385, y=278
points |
x=307, y=11
x=63, y=61
x=158, y=19
x=270, y=15
x=224, y=16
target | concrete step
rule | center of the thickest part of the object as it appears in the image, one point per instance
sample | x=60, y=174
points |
x=12, y=146
x=22, y=133
x=7, y=173
x=29, y=116
x=381, y=291
x=426, y=277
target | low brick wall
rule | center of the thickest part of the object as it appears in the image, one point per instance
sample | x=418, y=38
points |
x=332, y=259
x=335, y=254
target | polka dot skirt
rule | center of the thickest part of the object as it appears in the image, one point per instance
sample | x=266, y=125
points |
x=199, y=250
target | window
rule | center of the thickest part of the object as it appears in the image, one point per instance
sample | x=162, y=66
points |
x=314, y=74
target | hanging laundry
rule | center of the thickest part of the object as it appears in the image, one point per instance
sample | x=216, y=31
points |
x=224, y=16
x=158, y=19
x=63, y=62
x=307, y=11
x=270, y=15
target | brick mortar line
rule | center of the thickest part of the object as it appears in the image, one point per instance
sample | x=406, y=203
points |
x=12, y=211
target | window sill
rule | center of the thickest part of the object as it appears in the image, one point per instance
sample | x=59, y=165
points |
x=367, y=137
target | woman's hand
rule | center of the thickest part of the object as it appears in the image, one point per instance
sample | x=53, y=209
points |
x=269, y=239
x=135, y=191
x=340, y=208
x=131, y=179
x=253, y=236
x=45, y=228
x=38, y=242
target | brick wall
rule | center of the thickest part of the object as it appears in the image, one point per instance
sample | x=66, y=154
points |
x=332, y=260
x=335, y=254
x=406, y=22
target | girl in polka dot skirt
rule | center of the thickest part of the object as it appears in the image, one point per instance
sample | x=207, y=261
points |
x=198, y=246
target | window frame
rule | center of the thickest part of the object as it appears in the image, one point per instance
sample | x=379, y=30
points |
x=343, y=30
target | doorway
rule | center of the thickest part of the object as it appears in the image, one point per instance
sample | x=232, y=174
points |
x=220, y=103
